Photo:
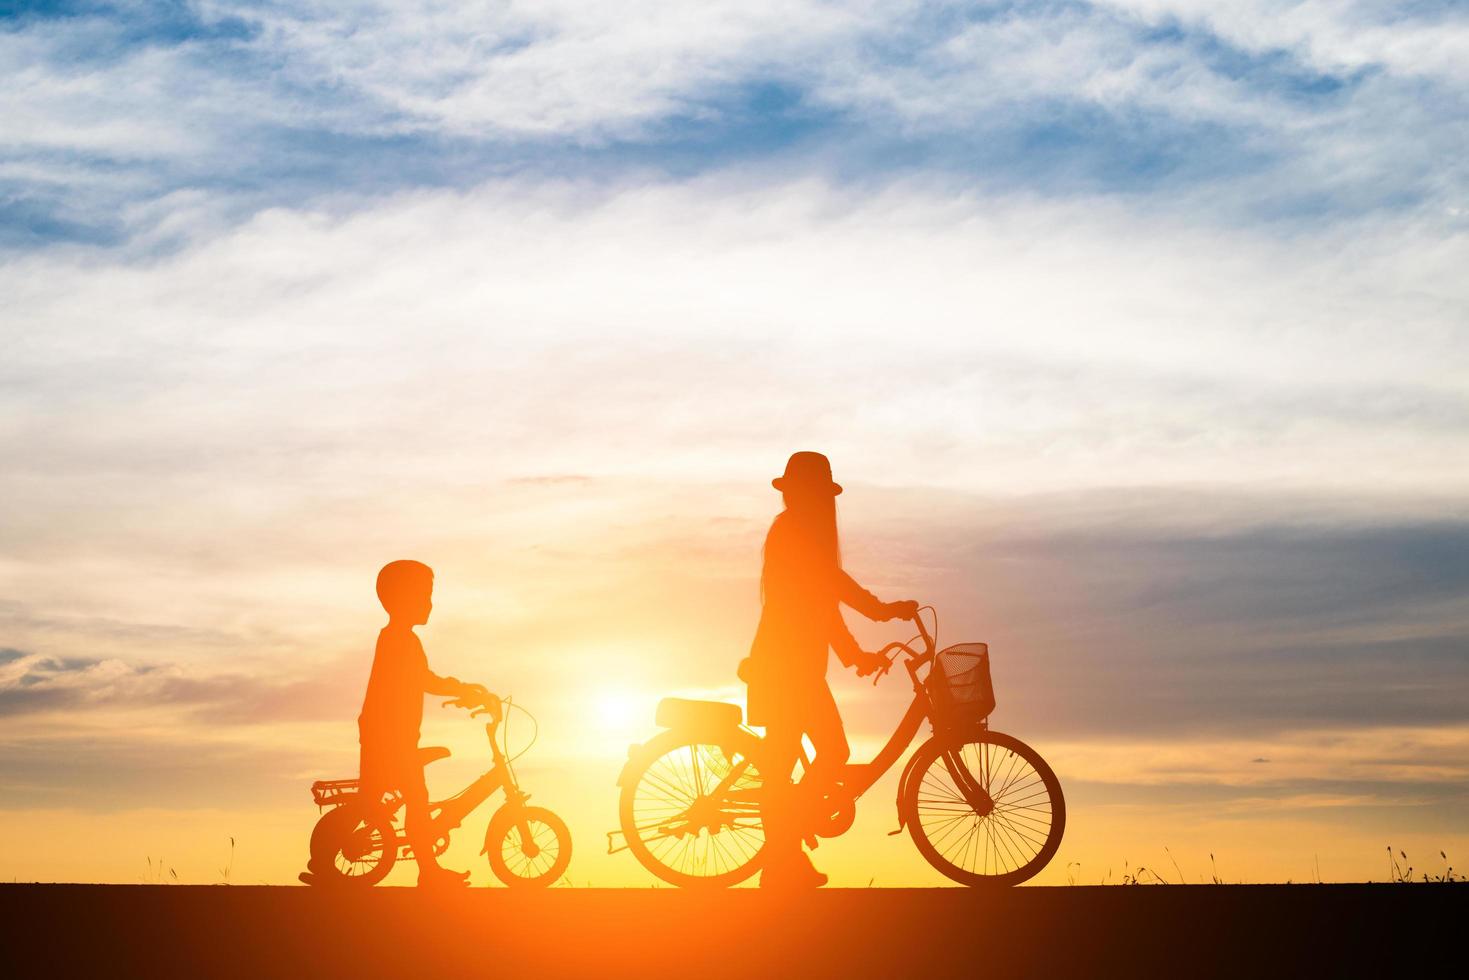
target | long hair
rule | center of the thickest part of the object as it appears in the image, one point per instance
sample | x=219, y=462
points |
x=813, y=522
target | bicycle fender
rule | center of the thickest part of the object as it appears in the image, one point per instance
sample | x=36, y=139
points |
x=638, y=754
x=634, y=757
x=903, y=790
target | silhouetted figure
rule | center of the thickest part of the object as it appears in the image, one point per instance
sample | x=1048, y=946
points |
x=392, y=711
x=802, y=586
x=356, y=842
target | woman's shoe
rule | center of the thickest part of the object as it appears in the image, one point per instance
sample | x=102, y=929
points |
x=795, y=873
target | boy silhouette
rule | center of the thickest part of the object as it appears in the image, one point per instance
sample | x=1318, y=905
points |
x=392, y=710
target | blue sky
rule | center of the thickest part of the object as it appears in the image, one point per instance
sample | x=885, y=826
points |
x=1310, y=113
x=1136, y=330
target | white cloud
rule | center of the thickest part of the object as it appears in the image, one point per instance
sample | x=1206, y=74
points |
x=1065, y=342
x=585, y=73
x=551, y=388
x=546, y=68
x=1329, y=36
x=205, y=450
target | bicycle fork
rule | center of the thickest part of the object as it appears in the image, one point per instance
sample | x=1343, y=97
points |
x=516, y=799
x=970, y=788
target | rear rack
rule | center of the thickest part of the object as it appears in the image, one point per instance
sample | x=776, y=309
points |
x=330, y=792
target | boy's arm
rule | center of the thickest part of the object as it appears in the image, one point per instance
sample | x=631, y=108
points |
x=448, y=687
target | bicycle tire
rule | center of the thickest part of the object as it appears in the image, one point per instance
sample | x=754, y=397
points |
x=999, y=849
x=332, y=843
x=653, y=794
x=546, y=829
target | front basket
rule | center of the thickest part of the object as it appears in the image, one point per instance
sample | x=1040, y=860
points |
x=959, y=685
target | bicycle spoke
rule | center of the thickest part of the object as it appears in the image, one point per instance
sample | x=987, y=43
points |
x=696, y=811
x=515, y=845
x=1015, y=827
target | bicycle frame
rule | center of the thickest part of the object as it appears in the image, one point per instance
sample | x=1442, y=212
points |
x=448, y=814
x=857, y=778
x=668, y=797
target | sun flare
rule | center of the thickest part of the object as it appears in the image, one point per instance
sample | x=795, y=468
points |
x=621, y=711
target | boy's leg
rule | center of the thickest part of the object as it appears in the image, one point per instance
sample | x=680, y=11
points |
x=418, y=826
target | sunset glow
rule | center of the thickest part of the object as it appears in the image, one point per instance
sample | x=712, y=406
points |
x=1135, y=333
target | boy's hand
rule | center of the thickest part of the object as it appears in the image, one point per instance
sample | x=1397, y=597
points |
x=868, y=663
x=474, y=693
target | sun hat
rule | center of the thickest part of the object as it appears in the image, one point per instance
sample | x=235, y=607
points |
x=807, y=471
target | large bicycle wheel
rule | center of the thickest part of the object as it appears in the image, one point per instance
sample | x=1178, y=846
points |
x=984, y=810
x=537, y=859
x=354, y=844
x=691, y=813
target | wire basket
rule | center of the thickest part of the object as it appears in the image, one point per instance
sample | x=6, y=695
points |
x=959, y=685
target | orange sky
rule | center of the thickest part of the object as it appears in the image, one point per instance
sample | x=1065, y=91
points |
x=1135, y=331
x=209, y=716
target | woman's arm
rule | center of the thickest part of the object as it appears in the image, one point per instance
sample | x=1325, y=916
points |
x=847, y=650
x=869, y=605
x=843, y=643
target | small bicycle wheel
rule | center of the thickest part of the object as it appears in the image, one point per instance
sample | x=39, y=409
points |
x=354, y=844
x=985, y=810
x=536, y=859
x=691, y=813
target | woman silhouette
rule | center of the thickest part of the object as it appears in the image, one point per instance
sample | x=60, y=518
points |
x=802, y=586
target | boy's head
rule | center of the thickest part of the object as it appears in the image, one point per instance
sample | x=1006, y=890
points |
x=406, y=588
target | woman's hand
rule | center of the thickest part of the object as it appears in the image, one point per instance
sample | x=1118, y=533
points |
x=907, y=609
x=868, y=663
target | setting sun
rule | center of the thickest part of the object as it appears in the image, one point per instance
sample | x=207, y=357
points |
x=400, y=400
x=622, y=714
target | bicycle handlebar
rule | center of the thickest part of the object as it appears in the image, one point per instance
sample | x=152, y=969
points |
x=915, y=659
x=490, y=704
x=923, y=629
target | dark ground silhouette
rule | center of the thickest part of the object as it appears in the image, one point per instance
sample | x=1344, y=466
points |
x=1148, y=931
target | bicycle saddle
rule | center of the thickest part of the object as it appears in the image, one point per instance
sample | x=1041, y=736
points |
x=681, y=712
x=432, y=753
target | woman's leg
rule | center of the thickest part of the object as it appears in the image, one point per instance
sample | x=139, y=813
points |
x=782, y=745
x=829, y=738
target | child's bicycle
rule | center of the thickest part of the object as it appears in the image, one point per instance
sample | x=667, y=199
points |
x=982, y=807
x=358, y=841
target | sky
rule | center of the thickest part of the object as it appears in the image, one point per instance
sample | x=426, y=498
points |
x=1137, y=332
